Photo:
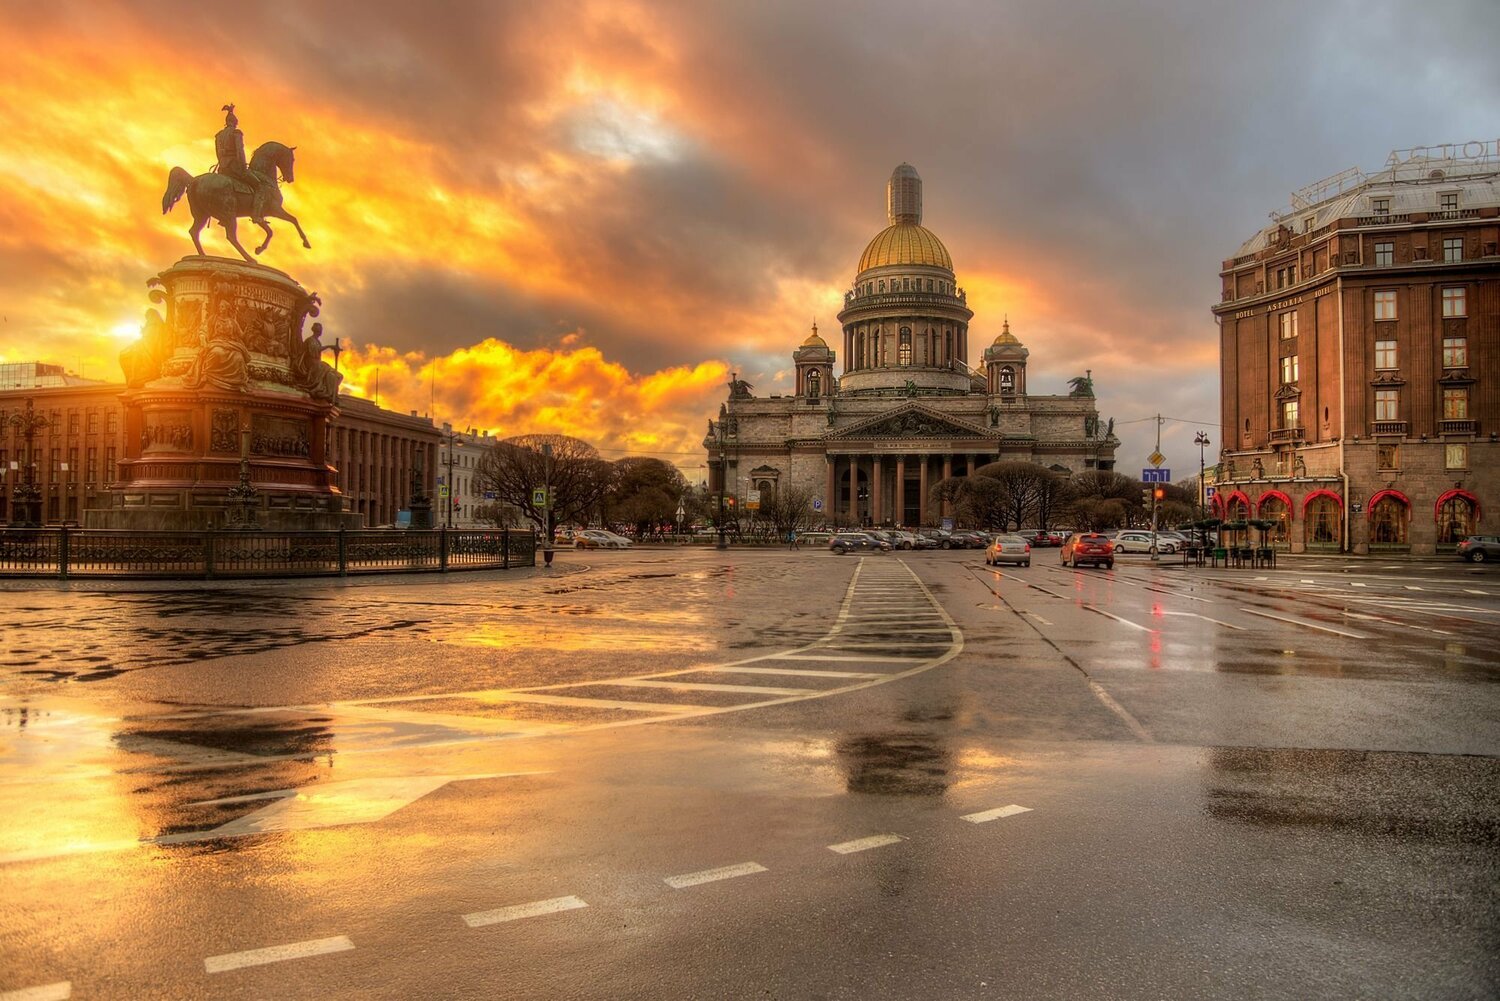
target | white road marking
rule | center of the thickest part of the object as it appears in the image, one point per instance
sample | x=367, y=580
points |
x=573, y=700
x=695, y=686
x=277, y=954
x=872, y=659
x=1205, y=618
x=1397, y=622
x=1413, y=587
x=1043, y=621
x=60, y=991
x=805, y=672
x=1112, y=615
x=1470, y=590
x=1308, y=625
x=986, y=816
x=713, y=875
x=865, y=844
x=1357, y=584
x=1130, y=721
x=518, y=911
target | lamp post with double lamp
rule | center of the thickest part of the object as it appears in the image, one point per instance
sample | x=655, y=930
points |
x=1201, y=440
x=724, y=435
x=26, y=496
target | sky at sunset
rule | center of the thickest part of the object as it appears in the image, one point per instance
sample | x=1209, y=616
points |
x=579, y=217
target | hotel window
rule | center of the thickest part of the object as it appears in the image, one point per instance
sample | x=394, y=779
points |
x=1289, y=369
x=1289, y=414
x=1288, y=324
x=1456, y=404
x=1387, y=457
x=1448, y=201
x=1455, y=352
x=1385, y=354
x=1385, y=255
x=1456, y=456
x=1387, y=405
x=1455, y=302
x=1453, y=248
x=1380, y=206
x=1385, y=305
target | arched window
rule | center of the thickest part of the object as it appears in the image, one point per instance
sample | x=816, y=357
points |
x=903, y=349
x=947, y=347
x=1457, y=518
x=1239, y=509
x=1274, y=508
x=1323, y=522
x=814, y=382
x=1389, y=517
x=1007, y=379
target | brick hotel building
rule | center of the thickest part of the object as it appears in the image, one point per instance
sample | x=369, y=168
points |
x=1360, y=359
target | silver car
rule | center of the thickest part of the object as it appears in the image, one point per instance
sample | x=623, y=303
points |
x=1008, y=549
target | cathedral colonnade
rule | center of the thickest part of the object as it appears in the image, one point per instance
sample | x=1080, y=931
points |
x=893, y=488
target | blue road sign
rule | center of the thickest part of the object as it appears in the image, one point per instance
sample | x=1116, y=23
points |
x=817, y=503
x=1208, y=493
x=1156, y=476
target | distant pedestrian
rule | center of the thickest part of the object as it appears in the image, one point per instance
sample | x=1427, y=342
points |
x=792, y=540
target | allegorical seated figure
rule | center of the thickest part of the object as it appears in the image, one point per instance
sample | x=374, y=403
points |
x=222, y=360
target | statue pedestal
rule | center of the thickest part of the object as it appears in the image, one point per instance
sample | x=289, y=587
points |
x=226, y=373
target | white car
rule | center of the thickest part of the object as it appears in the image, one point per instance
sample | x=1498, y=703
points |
x=1140, y=542
x=595, y=538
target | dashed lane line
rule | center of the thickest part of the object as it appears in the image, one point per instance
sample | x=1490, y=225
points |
x=1205, y=618
x=985, y=816
x=60, y=991
x=865, y=844
x=1131, y=723
x=516, y=912
x=277, y=954
x=714, y=875
x=840, y=657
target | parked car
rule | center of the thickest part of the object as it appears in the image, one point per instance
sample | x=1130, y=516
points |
x=927, y=540
x=858, y=542
x=1132, y=541
x=902, y=539
x=1480, y=548
x=1089, y=547
x=814, y=539
x=1008, y=549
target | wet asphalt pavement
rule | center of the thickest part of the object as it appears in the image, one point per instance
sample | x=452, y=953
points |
x=761, y=774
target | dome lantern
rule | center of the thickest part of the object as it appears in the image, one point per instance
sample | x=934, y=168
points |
x=903, y=196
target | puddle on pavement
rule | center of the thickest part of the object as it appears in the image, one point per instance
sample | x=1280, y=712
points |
x=1424, y=798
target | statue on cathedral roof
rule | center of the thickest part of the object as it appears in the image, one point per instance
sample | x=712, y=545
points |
x=739, y=389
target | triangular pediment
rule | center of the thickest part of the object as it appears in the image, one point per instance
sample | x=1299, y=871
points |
x=912, y=421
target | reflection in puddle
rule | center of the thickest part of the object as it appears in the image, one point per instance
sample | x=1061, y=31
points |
x=909, y=763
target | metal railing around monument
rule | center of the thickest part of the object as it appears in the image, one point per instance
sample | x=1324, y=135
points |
x=83, y=552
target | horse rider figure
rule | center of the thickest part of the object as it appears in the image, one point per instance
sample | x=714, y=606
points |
x=229, y=146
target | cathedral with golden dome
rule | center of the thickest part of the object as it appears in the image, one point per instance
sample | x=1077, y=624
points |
x=870, y=445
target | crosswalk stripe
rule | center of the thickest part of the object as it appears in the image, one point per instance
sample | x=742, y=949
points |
x=574, y=700
x=60, y=991
x=803, y=672
x=985, y=816
x=695, y=686
x=865, y=844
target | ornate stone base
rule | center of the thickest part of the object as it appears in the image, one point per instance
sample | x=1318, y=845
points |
x=226, y=374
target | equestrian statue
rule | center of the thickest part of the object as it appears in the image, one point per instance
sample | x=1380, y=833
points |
x=235, y=189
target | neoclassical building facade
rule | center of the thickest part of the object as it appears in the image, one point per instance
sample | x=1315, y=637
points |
x=908, y=411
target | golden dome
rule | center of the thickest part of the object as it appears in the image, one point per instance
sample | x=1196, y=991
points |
x=814, y=341
x=1006, y=338
x=905, y=243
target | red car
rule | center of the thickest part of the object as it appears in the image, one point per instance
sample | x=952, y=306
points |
x=1089, y=547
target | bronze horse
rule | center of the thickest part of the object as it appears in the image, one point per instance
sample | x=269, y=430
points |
x=220, y=197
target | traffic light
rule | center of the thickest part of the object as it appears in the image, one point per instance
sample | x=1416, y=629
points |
x=1146, y=496
x=1159, y=494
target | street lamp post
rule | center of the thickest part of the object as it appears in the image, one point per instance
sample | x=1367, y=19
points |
x=26, y=496
x=1201, y=440
x=724, y=435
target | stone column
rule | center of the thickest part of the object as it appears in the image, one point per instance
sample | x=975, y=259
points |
x=947, y=475
x=899, y=504
x=830, y=505
x=875, y=490
x=922, y=487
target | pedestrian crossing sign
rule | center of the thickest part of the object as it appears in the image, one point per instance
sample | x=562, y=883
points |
x=539, y=497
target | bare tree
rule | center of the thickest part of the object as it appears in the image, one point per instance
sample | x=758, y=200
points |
x=790, y=509
x=1026, y=484
x=515, y=468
